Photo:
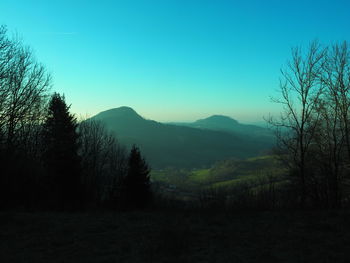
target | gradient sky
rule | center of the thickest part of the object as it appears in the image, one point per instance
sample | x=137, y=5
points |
x=172, y=60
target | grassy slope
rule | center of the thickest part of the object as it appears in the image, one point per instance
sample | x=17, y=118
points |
x=175, y=237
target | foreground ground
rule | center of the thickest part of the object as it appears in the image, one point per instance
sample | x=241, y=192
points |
x=175, y=237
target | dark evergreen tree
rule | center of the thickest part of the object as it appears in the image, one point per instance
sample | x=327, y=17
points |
x=61, y=154
x=136, y=184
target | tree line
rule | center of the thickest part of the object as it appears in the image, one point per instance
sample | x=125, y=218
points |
x=49, y=160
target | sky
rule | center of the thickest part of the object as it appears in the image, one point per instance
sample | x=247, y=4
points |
x=172, y=60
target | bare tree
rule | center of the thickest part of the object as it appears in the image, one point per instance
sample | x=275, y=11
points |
x=104, y=161
x=333, y=136
x=24, y=86
x=337, y=80
x=300, y=90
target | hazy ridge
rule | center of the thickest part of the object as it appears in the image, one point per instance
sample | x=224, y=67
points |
x=198, y=144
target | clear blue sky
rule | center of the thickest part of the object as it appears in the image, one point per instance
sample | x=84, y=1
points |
x=172, y=60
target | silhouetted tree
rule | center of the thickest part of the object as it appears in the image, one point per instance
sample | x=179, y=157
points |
x=104, y=163
x=136, y=187
x=24, y=84
x=313, y=129
x=301, y=91
x=61, y=154
x=333, y=143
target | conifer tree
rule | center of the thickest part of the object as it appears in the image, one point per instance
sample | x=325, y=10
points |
x=61, y=154
x=136, y=184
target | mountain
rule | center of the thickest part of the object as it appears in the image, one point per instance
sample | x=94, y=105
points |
x=224, y=123
x=167, y=145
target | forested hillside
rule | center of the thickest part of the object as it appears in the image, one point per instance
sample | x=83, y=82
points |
x=167, y=145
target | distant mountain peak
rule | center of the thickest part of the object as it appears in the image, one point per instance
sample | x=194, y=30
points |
x=122, y=111
x=221, y=117
x=125, y=109
x=218, y=119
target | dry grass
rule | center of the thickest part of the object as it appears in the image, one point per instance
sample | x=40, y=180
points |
x=175, y=237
